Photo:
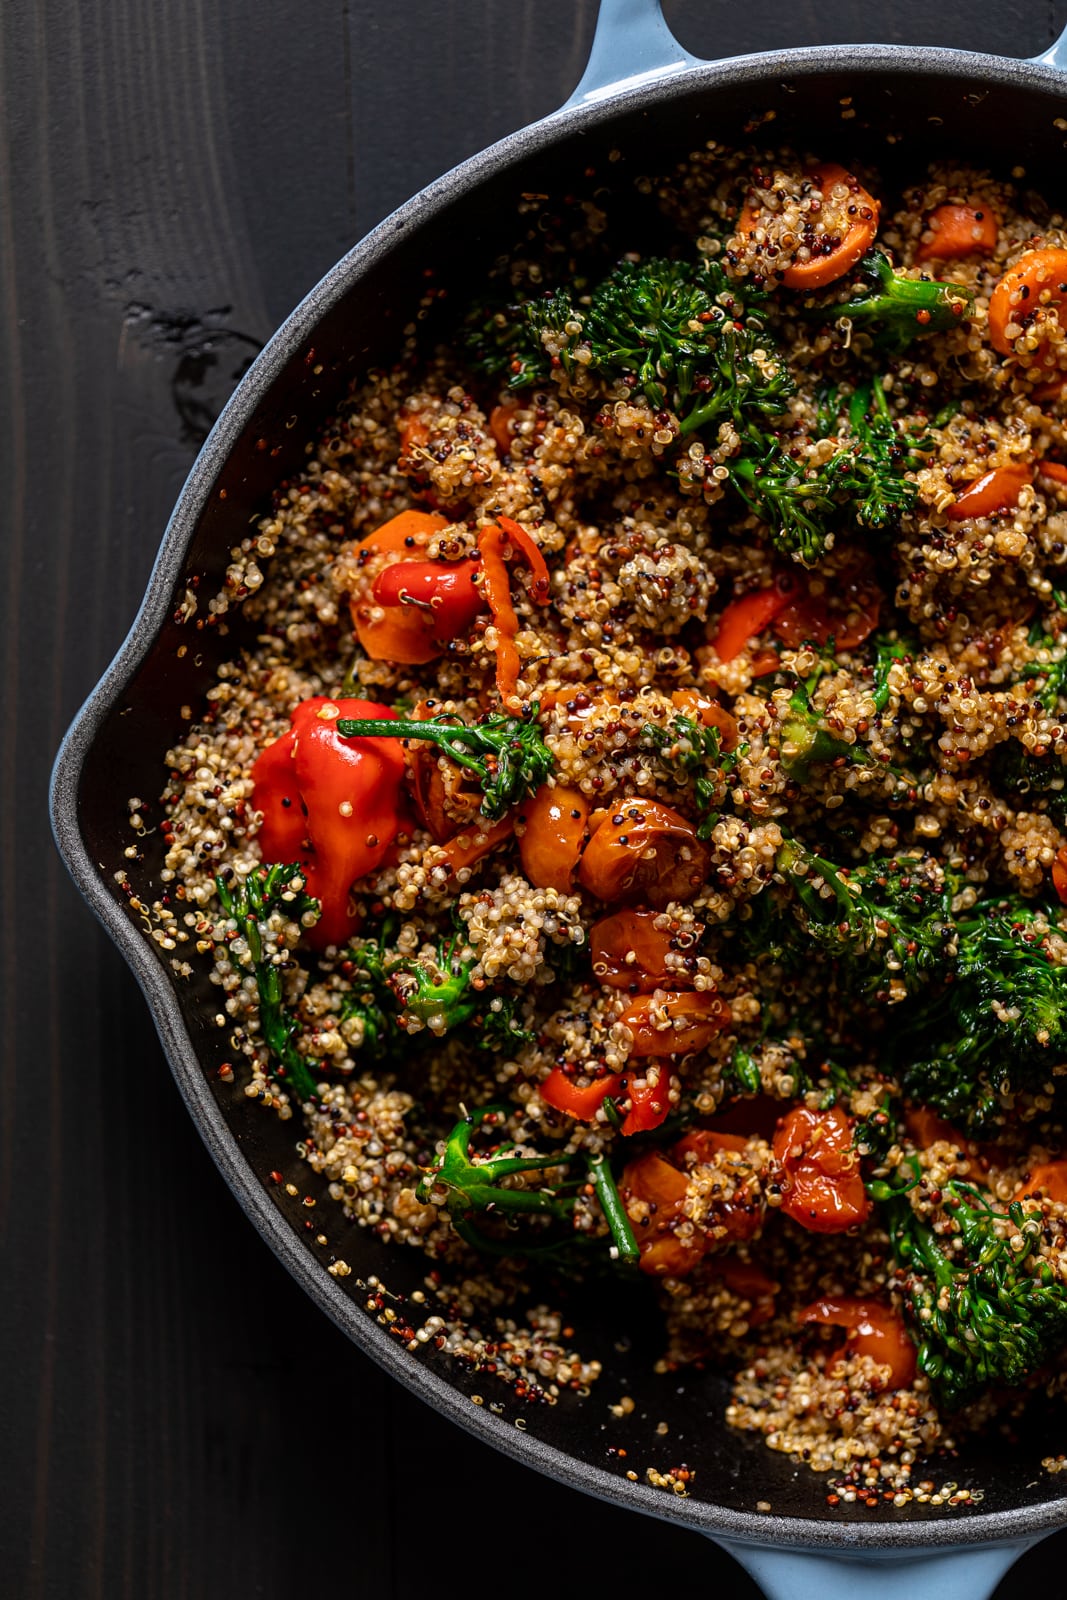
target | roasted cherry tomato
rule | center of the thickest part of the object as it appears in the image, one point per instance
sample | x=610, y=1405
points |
x=993, y=491
x=644, y=850
x=652, y=1179
x=674, y=1024
x=628, y=951
x=402, y=633
x=874, y=1329
x=553, y=836
x=847, y=612
x=649, y=1098
x=833, y=253
x=742, y=1214
x=822, y=1186
x=746, y=617
x=1038, y=278
x=709, y=713
x=744, y=1278
x=347, y=793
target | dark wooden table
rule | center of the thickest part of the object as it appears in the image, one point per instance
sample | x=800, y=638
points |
x=177, y=1420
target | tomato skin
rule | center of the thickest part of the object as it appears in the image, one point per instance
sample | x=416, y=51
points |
x=555, y=832
x=822, y=1186
x=1050, y=1176
x=347, y=794
x=709, y=714
x=874, y=1329
x=560, y=1092
x=695, y=1019
x=445, y=593
x=644, y=850
x=649, y=1102
x=615, y=939
x=1055, y=472
x=993, y=491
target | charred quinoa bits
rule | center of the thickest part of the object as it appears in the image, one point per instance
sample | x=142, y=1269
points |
x=635, y=837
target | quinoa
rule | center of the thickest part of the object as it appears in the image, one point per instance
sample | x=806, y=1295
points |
x=609, y=954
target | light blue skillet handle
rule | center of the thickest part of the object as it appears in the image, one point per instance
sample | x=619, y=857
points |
x=1055, y=55
x=632, y=46
x=957, y=1572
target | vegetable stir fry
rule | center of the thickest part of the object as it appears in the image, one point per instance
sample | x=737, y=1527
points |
x=634, y=836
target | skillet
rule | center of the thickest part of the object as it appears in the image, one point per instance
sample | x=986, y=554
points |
x=641, y=99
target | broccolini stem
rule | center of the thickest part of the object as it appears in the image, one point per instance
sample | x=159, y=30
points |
x=904, y=307
x=506, y=754
x=474, y=1187
x=265, y=891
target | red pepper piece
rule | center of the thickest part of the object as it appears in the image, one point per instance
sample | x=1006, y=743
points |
x=564, y=1095
x=347, y=794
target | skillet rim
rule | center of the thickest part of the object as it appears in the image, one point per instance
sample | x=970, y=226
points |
x=1009, y=1525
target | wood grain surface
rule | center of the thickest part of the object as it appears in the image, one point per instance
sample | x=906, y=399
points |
x=178, y=1423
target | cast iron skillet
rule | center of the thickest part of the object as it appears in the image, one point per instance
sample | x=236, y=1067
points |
x=641, y=100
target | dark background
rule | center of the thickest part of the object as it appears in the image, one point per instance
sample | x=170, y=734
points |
x=177, y=1420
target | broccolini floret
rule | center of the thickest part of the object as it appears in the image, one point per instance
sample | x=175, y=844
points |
x=983, y=1309
x=694, y=753
x=677, y=333
x=888, y=922
x=999, y=1027
x=396, y=994
x=863, y=482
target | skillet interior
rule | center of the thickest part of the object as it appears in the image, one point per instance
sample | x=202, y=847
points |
x=940, y=103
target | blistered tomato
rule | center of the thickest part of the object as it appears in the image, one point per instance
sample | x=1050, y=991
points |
x=822, y=1186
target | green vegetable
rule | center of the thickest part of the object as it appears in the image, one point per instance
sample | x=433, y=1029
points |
x=476, y=1189
x=677, y=332
x=887, y=652
x=863, y=481
x=984, y=1310
x=396, y=994
x=804, y=739
x=250, y=904
x=1051, y=676
x=998, y=1028
x=506, y=754
x=888, y=922
x=693, y=752
x=897, y=308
